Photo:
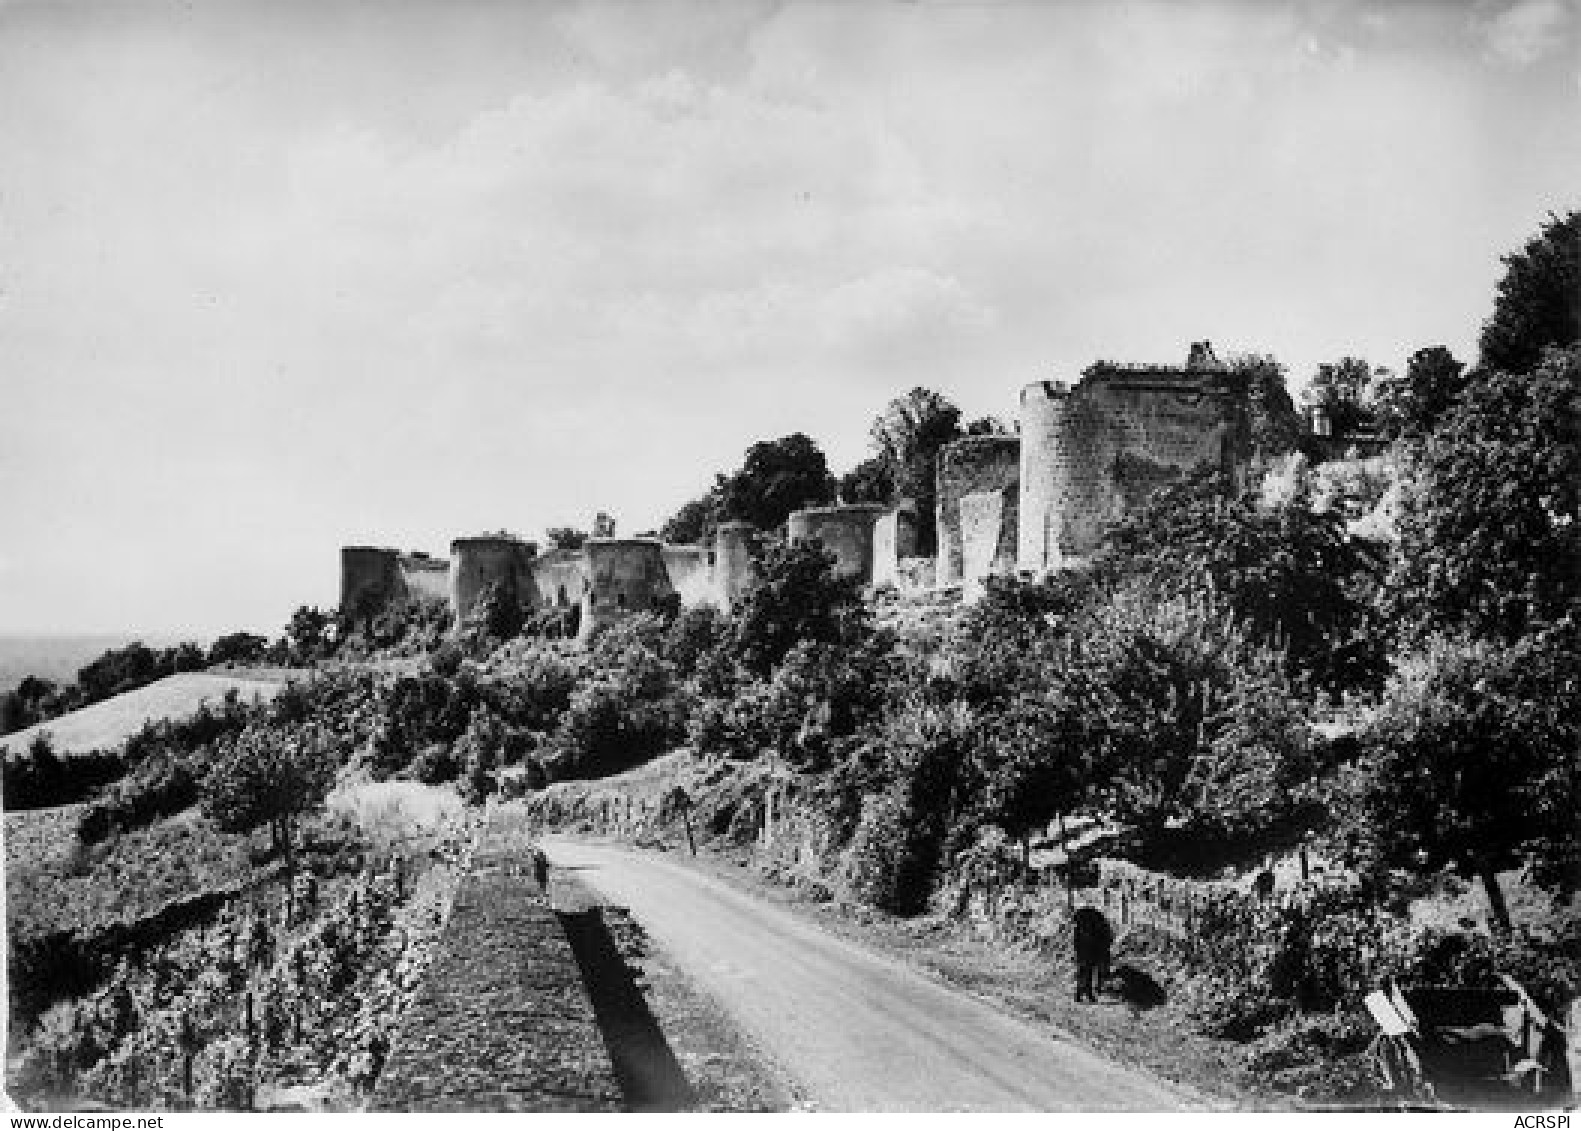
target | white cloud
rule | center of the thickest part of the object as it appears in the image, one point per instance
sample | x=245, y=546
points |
x=1523, y=32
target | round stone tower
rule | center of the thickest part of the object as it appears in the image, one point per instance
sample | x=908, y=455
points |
x=734, y=544
x=489, y=559
x=370, y=581
x=1044, y=475
x=625, y=575
x=846, y=532
x=979, y=501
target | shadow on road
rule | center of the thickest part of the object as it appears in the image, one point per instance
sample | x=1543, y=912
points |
x=645, y=1066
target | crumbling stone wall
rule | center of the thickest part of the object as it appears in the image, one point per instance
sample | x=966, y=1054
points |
x=490, y=560
x=846, y=531
x=560, y=578
x=690, y=569
x=502, y=1021
x=625, y=575
x=979, y=503
x=1092, y=453
x=425, y=578
x=734, y=546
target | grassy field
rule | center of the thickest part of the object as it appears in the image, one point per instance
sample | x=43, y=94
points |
x=104, y=726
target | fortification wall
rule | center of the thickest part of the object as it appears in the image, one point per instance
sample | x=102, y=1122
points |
x=370, y=580
x=625, y=575
x=477, y=562
x=846, y=531
x=691, y=573
x=559, y=578
x=425, y=578
x=979, y=505
x=1091, y=454
x=734, y=571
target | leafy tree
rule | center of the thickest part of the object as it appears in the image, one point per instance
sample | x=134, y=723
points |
x=238, y=648
x=777, y=477
x=118, y=670
x=1474, y=760
x=870, y=481
x=907, y=437
x=1413, y=405
x=1040, y=758
x=1538, y=304
x=1343, y=389
x=797, y=597
x=694, y=523
x=1490, y=528
x=1172, y=683
x=1291, y=574
x=308, y=633
x=565, y=537
x=270, y=775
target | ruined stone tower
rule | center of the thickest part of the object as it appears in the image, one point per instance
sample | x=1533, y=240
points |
x=846, y=531
x=624, y=575
x=1093, y=452
x=979, y=501
x=734, y=543
x=491, y=559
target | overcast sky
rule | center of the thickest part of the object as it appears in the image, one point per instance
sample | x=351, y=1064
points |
x=276, y=277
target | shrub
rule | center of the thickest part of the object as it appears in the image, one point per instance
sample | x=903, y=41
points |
x=38, y=777
x=159, y=787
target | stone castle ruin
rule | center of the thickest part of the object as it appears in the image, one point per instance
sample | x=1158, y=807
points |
x=1032, y=503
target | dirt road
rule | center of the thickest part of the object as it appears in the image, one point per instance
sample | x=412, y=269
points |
x=858, y=1031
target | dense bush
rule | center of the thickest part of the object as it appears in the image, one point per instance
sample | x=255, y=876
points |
x=38, y=777
x=626, y=710
x=159, y=787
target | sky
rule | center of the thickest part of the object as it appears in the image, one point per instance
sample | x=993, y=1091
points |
x=281, y=276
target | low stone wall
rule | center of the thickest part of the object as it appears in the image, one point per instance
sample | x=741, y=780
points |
x=503, y=1022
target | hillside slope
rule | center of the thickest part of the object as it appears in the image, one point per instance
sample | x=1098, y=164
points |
x=104, y=726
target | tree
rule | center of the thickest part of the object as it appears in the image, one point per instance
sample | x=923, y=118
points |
x=797, y=598
x=870, y=481
x=694, y=523
x=270, y=775
x=565, y=537
x=238, y=648
x=1539, y=299
x=777, y=477
x=1474, y=760
x=1490, y=526
x=1292, y=575
x=1343, y=390
x=308, y=633
x=1412, y=406
x=907, y=437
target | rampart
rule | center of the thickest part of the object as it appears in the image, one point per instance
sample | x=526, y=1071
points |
x=425, y=578
x=490, y=560
x=847, y=532
x=625, y=575
x=734, y=571
x=1091, y=453
x=560, y=578
x=1041, y=501
x=691, y=573
x=370, y=581
x=979, y=503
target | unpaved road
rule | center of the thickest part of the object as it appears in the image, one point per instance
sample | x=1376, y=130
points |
x=858, y=1031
